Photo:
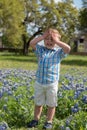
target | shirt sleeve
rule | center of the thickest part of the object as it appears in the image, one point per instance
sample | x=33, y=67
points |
x=62, y=54
x=38, y=49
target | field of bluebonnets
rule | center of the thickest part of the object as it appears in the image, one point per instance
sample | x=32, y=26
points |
x=17, y=75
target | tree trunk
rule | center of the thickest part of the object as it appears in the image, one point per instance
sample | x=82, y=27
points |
x=75, y=49
x=26, y=44
x=25, y=49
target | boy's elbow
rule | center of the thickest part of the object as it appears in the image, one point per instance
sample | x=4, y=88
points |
x=67, y=50
x=30, y=43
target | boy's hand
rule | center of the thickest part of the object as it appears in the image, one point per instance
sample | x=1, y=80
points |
x=46, y=34
x=55, y=37
x=63, y=45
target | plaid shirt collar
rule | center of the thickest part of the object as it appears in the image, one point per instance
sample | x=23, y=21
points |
x=53, y=49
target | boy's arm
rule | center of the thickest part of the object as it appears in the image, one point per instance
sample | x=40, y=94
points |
x=66, y=48
x=38, y=39
x=35, y=41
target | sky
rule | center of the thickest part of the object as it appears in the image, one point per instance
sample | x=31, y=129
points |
x=78, y=3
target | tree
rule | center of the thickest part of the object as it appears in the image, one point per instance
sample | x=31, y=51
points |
x=11, y=17
x=44, y=14
x=31, y=17
x=83, y=16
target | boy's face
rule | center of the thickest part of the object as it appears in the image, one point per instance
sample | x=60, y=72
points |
x=49, y=43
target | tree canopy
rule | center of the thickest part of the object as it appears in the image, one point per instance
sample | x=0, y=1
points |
x=21, y=20
x=11, y=17
x=83, y=16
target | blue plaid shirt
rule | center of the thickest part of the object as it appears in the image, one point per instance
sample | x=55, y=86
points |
x=48, y=64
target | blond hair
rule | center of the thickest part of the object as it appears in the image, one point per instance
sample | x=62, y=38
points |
x=55, y=31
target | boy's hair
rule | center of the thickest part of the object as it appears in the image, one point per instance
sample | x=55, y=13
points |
x=55, y=31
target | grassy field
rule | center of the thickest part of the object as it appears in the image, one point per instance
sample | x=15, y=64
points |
x=13, y=61
x=10, y=60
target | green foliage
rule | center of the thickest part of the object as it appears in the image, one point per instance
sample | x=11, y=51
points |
x=69, y=19
x=62, y=16
x=17, y=100
x=13, y=107
x=34, y=15
x=17, y=104
x=84, y=2
x=11, y=17
x=72, y=122
x=5, y=41
x=82, y=18
x=64, y=104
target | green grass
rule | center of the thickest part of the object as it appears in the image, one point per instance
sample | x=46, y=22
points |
x=15, y=61
x=11, y=60
x=75, y=60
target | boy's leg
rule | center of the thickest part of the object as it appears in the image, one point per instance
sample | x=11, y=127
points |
x=50, y=114
x=51, y=100
x=39, y=100
x=37, y=112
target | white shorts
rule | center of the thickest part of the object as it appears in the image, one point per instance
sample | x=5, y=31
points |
x=46, y=94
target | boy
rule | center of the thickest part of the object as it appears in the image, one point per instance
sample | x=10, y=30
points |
x=47, y=75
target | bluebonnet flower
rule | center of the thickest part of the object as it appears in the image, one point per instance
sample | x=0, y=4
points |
x=3, y=126
x=32, y=97
x=62, y=127
x=84, y=99
x=5, y=106
x=67, y=128
x=1, y=93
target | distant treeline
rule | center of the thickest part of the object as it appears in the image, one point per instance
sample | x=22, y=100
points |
x=11, y=50
x=79, y=53
x=16, y=50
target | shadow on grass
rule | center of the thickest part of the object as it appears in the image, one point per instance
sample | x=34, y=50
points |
x=71, y=62
x=15, y=54
x=74, y=62
x=19, y=59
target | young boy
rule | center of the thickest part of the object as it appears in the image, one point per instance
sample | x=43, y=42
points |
x=47, y=75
